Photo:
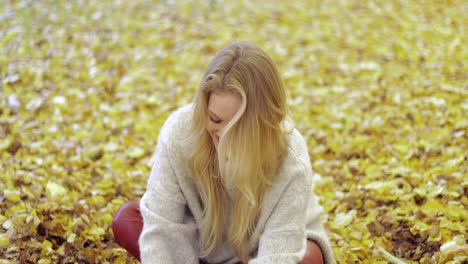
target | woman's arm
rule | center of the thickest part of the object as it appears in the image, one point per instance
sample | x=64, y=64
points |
x=284, y=239
x=165, y=237
x=295, y=216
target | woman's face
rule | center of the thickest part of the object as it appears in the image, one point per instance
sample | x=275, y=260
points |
x=222, y=107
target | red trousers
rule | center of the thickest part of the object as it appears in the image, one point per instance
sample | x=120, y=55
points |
x=128, y=223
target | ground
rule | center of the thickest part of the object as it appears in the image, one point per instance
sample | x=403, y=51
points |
x=377, y=88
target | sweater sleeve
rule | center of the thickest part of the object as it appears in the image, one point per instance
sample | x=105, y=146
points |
x=283, y=240
x=315, y=230
x=166, y=237
x=314, y=226
x=295, y=218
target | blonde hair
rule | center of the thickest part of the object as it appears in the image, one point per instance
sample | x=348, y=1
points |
x=251, y=149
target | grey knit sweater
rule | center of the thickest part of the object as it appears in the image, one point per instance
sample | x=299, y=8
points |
x=172, y=211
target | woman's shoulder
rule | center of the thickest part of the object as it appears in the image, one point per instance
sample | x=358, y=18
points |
x=295, y=169
x=177, y=125
x=297, y=146
x=296, y=160
x=174, y=129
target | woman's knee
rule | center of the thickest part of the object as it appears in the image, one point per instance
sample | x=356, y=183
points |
x=128, y=214
x=313, y=254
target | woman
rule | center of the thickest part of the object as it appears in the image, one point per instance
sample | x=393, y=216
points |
x=232, y=178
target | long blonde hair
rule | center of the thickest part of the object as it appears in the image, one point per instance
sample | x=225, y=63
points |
x=251, y=149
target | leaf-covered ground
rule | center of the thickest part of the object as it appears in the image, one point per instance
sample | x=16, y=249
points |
x=378, y=88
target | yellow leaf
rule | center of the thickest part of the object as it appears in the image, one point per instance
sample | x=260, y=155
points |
x=4, y=241
x=98, y=200
x=7, y=224
x=12, y=196
x=55, y=190
x=344, y=219
x=432, y=207
x=71, y=238
x=46, y=247
x=136, y=153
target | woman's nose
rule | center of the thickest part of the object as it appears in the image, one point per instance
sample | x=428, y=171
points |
x=218, y=130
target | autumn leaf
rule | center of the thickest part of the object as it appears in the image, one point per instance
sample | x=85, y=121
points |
x=377, y=88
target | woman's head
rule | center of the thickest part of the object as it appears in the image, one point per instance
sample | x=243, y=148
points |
x=222, y=107
x=244, y=73
x=239, y=143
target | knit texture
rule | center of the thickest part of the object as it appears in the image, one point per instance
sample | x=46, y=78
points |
x=172, y=210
